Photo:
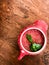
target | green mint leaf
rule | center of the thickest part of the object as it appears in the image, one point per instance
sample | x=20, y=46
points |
x=29, y=38
x=35, y=47
x=38, y=46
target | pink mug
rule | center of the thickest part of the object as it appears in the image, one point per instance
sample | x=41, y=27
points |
x=38, y=25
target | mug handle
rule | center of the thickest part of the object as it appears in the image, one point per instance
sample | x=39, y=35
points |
x=22, y=54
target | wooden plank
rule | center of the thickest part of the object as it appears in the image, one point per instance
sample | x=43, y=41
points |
x=14, y=16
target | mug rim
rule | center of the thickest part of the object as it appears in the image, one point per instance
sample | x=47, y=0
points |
x=44, y=45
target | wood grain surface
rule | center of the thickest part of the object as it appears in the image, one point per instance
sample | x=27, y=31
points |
x=14, y=16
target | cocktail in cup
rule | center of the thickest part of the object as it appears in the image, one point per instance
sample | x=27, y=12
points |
x=38, y=34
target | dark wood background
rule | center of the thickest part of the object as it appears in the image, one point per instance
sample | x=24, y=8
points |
x=14, y=16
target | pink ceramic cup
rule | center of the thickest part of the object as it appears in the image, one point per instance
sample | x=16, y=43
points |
x=38, y=25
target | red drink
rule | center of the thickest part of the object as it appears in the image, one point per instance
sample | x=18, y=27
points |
x=37, y=37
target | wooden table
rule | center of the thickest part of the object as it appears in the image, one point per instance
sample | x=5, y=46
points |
x=14, y=16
